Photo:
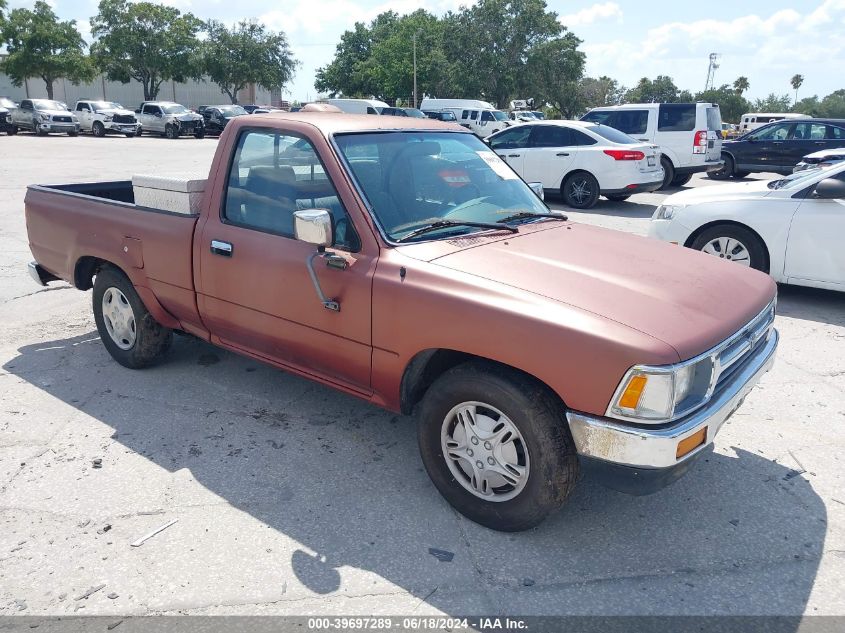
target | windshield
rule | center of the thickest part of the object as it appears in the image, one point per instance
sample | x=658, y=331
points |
x=499, y=115
x=175, y=109
x=105, y=105
x=412, y=179
x=233, y=110
x=46, y=104
x=417, y=114
x=612, y=134
x=801, y=179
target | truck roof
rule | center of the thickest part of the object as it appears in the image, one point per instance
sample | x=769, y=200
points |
x=335, y=122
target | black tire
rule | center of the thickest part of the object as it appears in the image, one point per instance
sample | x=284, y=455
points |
x=740, y=174
x=539, y=417
x=98, y=129
x=151, y=339
x=668, y=172
x=753, y=244
x=11, y=130
x=139, y=131
x=171, y=132
x=73, y=133
x=200, y=134
x=681, y=179
x=131, y=135
x=580, y=190
x=618, y=197
x=40, y=132
x=726, y=172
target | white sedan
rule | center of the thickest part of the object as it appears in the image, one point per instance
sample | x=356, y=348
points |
x=791, y=228
x=580, y=160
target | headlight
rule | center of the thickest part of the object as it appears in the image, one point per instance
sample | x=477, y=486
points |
x=660, y=394
x=44, y=117
x=108, y=117
x=667, y=211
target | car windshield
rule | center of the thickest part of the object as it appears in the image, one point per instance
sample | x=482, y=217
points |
x=801, y=179
x=414, y=179
x=105, y=105
x=233, y=110
x=174, y=109
x=413, y=112
x=499, y=115
x=46, y=104
x=612, y=134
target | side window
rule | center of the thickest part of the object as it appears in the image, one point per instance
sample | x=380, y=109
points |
x=776, y=132
x=26, y=105
x=465, y=114
x=598, y=116
x=836, y=133
x=82, y=107
x=150, y=109
x=371, y=110
x=486, y=116
x=512, y=138
x=551, y=136
x=676, y=117
x=809, y=132
x=631, y=121
x=579, y=138
x=473, y=115
x=274, y=174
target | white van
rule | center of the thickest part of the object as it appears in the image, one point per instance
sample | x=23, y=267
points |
x=753, y=120
x=689, y=134
x=358, y=106
x=479, y=116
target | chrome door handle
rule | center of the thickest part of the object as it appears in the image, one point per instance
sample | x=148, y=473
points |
x=513, y=155
x=221, y=248
x=562, y=154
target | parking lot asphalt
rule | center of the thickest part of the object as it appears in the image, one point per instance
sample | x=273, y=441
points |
x=294, y=499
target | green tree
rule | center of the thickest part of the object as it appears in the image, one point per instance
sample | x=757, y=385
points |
x=246, y=54
x=603, y=91
x=732, y=104
x=741, y=84
x=809, y=105
x=39, y=45
x=661, y=89
x=773, y=103
x=554, y=70
x=833, y=105
x=145, y=41
x=796, y=82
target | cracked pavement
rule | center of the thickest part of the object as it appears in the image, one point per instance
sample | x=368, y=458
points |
x=294, y=499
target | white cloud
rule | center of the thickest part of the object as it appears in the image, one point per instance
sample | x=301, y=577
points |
x=603, y=12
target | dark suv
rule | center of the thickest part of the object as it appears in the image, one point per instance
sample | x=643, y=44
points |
x=779, y=146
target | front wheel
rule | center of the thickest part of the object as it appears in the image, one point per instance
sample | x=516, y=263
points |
x=580, y=190
x=200, y=134
x=681, y=179
x=171, y=132
x=73, y=133
x=725, y=172
x=733, y=243
x=497, y=446
x=128, y=330
x=11, y=130
x=98, y=129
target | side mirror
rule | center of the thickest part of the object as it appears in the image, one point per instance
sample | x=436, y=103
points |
x=830, y=189
x=313, y=226
x=537, y=188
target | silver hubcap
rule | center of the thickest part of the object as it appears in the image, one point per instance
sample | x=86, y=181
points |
x=119, y=318
x=728, y=248
x=580, y=191
x=484, y=451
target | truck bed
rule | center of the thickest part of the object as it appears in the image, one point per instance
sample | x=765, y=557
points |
x=75, y=227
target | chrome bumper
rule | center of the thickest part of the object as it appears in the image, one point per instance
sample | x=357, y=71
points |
x=655, y=448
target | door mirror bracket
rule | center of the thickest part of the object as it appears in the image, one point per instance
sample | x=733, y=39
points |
x=315, y=227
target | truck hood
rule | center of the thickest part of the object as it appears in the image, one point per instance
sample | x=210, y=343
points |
x=688, y=300
x=55, y=112
x=731, y=191
x=113, y=111
x=187, y=116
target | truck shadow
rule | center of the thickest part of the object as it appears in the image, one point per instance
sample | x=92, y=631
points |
x=342, y=481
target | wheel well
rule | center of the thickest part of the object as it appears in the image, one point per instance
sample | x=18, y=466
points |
x=428, y=365
x=575, y=171
x=694, y=235
x=85, y=269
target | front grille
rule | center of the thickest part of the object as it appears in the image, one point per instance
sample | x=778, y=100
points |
x=61, y=119
x=742, y=346
x=124, y=118
x=187, y=126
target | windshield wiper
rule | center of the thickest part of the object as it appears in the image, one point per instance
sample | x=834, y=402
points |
x=531, y=214
x=445, y=223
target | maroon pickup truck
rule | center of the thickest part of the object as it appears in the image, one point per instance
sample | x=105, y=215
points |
x=401, y=261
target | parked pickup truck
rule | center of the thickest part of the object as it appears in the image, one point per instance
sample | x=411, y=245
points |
x=401, y=261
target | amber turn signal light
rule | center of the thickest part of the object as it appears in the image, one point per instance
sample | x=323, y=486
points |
x=689, y=444
x=633, y=392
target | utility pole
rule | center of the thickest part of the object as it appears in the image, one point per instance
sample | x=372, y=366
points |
x=710, y=84
x=415, y=69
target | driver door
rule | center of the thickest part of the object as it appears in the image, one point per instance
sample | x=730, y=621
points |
x=511, y=146
x=814, y=252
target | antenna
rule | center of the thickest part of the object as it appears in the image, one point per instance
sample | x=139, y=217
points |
x=710, y=84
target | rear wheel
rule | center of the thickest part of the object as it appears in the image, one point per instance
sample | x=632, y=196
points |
x=200, y=134
x=618, y=197
x=98, y=129
x=681, y=179
x=129, y=332
x=733, y=243
x=725, y=172
x=497, y=446
x=73, y=133
x=741, y=174
x=668, y=172
x=580, y=190
x=139, y=131
x=11, y=130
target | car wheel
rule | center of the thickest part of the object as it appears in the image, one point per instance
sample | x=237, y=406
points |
x=725, y=172
x=200, y=134
x=98, y=129
x=668, y=172
x=171, y=132
x=580, y=190
x=733, y=243
x=139, y=131
x=129, y=332
x=497, y=446
x=11, y=130
x=130, y=135
x=741, y=174
x=618, y=197
x=40, y=132
x=73, y=133
x=681, y=179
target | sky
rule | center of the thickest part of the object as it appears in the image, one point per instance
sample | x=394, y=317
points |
x=768, y=41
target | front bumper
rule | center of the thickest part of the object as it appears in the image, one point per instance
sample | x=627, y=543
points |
x=59, y=128
x=641, y=459
x=122, y=128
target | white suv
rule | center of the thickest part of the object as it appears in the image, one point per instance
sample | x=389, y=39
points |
x=689, y=134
